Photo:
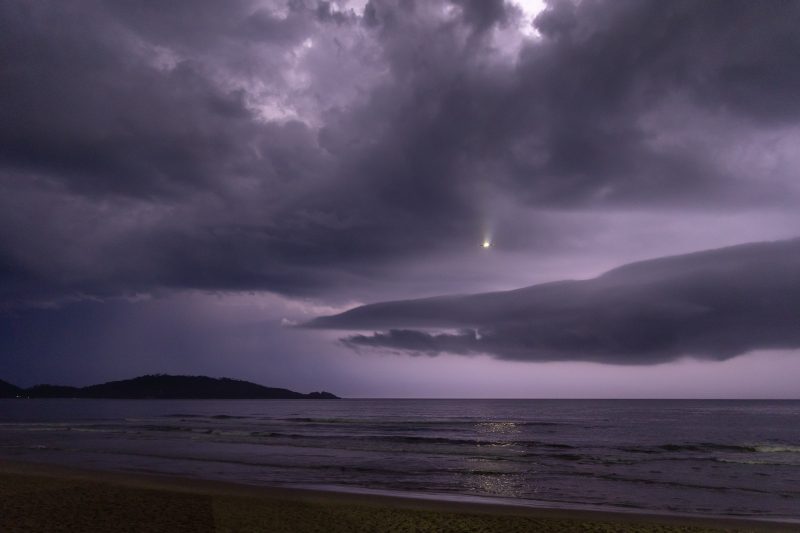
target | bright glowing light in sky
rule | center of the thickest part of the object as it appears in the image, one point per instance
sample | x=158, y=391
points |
x=530, y=8
x=486, y=244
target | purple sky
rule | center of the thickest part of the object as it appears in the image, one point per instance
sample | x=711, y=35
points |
x=183, y=183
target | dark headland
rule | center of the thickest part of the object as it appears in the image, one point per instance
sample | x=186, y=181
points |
x=164, y=386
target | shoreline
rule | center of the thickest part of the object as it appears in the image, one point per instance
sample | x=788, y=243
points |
x=233, y=503
x=538, y=505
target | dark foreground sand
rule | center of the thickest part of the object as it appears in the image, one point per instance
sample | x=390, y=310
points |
x=54, y=499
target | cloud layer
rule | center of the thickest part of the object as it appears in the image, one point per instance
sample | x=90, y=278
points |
x=715, y=305
x=306, y=147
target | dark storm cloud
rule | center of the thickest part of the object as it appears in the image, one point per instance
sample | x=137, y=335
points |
x=77, y=109
x=715, y=304
x=738, y=55
x=300, y=147
x=579, y=100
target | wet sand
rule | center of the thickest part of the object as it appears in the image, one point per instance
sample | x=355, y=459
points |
x=45, y=498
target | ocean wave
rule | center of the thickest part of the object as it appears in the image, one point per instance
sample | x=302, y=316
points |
x=207, y=417
x=343, y=468
x=687, y=447
x=420, y=423
x=162, y=427
x=755, y=462
x=410, y=439
x=669, y=483
x=711, y=447
x=567, y=456
x=367, y=422
x=777, y=448
x=440, y=442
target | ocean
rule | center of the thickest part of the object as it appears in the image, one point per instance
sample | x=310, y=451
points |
x=734, y=458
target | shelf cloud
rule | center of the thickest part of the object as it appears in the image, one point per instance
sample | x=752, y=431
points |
x=714, y=305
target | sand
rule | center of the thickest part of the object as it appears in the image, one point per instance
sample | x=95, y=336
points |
x=41, y=498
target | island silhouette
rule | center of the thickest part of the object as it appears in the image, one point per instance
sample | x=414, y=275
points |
x=164, y=386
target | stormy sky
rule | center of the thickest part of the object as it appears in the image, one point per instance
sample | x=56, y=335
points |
x=207, y=187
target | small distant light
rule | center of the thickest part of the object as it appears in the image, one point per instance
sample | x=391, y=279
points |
x=486, y=244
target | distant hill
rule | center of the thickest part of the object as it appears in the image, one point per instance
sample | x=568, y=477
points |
x=163, y=386
x=51, y=391
x=7, y=390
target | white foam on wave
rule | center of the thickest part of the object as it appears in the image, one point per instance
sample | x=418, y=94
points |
x=777, y=449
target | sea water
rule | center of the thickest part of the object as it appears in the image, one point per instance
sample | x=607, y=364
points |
x=738, y=458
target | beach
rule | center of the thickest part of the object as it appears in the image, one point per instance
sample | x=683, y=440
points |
x=48, y=498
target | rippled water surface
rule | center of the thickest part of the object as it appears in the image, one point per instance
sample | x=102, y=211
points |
x=705, y=457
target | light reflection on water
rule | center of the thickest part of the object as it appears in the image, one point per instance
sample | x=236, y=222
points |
x=497, y=427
